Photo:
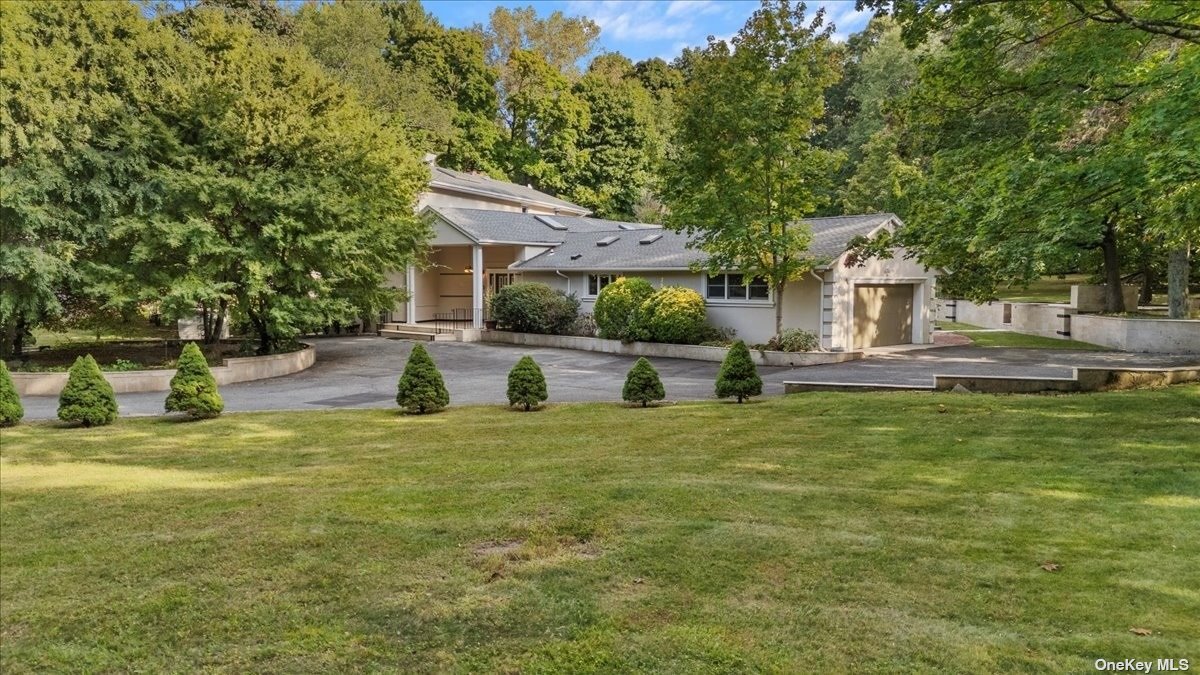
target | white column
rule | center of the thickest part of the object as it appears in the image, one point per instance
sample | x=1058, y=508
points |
x=410, y=285
x=477, y=286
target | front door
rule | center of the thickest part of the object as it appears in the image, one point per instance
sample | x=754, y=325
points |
x=498, y=279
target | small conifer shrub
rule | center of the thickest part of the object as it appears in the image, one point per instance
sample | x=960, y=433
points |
x=87, y=398
x=526, y=384
x=738, y=376
x=421, y=388
x=642, y=384
x=11, y=411
x=193, y=388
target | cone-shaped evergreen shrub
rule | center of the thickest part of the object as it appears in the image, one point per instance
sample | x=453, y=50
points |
x=738, y=376
x=193, y=389
x=642, y=384
x=526, y=384
x=421, y=389
x=87, y=398
x=11, y=411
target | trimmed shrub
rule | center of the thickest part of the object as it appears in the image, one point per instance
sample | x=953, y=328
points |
x=193, y=389
x=87, y=398
x=526, y=384
x=642, y=384
x=529, y=307
x=618, y=305
x=421, y=388
x=11, y=411
x=583, y=326
x=738, y=376
x=674, y=314
x=794, y=340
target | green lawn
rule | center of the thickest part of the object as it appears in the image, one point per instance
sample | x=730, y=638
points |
x=811, y=533
x=982, y=337
x=1046, y=289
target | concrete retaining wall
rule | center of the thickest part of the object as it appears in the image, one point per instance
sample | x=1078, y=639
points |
x=1082, y=380
x=1090, y=297
x=666, y=351
x=1132, y=334
x=241, y=369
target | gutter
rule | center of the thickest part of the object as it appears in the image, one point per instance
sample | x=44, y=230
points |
x=559, y=273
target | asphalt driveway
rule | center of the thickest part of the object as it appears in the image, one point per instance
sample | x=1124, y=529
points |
x=361, y=372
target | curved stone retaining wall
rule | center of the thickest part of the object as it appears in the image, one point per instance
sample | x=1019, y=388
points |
x=666, y=351
x=241, y=369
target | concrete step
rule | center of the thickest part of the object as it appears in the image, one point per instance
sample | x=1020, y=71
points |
x=410, y=327
x=423, y=336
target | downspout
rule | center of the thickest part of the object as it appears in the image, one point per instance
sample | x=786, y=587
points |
x=559, y=273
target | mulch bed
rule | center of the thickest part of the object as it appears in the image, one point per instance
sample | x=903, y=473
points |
x=148, y=354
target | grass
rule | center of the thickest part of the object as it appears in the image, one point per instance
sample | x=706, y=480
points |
x=1046, y=289
x=983, y=337
x=815, y=532
x=138, y=329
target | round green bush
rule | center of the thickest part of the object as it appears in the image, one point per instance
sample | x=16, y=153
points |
x=673, y=314
x=87, y=398
x=617, y=307
x=193, y=388
x=529, y=307
x=738, y=377
x=421, y=388
x=642, y=384
x=526, y=384
x=11, y=411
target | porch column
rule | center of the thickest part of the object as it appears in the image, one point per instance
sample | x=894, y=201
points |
x=410, y=285
x=477, y=286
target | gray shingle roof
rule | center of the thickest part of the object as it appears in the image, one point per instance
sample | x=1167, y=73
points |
x=509, y=226
x=480, y=184
x=578, y=249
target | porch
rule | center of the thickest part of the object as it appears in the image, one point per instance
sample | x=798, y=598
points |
x=450, y=291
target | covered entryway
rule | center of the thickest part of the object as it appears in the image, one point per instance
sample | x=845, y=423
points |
x=883, y=315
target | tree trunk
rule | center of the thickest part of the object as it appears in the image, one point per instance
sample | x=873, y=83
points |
x=218, y=323
x=778, y=308
x=259, y=321
x=1178, y=269
x=1146, y=296
x=16, y=341
x=1114, y=299
x=9, y=340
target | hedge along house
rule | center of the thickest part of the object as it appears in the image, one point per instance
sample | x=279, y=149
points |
x=477, y=251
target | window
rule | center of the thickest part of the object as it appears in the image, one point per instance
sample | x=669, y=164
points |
x=737, y=287
x=597, y=282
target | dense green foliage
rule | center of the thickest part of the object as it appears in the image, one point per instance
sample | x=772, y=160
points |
x=738, y=376
x=421, y=388
x=673, y=314
x=11, y=410
x=794, y=340
x=87, y=398
x=746, y=171
x=618, y=306
x=642, y=384
x=526, y=384
x=530, y=307
x=193, y=388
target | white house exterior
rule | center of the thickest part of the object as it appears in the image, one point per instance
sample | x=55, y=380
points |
x=488, y=234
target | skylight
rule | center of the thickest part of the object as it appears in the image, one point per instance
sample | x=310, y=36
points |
x=607, y=240
x=550, y=223
x=650, y=238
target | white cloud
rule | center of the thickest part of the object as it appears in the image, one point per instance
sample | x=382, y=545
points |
x=691, y=7
x=633, y=21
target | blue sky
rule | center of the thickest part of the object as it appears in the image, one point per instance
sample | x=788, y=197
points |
x=642, y=29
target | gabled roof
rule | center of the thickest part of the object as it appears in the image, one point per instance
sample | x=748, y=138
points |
x=579, y=249
x=486, y=226
x=481, y=185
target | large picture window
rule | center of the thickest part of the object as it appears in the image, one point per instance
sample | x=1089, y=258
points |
x=597, y=282
x=737, y=287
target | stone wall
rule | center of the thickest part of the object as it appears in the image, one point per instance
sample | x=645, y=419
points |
x=241, y=369
x=668, y=351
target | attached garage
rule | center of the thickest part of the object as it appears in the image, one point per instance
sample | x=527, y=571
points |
x=883, y=315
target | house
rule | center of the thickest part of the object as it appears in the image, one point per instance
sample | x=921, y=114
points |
x=488, y=234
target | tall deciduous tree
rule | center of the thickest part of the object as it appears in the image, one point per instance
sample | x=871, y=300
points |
x=746, y=172
x=274, y=192
x=75, y=82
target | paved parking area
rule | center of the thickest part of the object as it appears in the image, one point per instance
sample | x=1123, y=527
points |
x=361, y=372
